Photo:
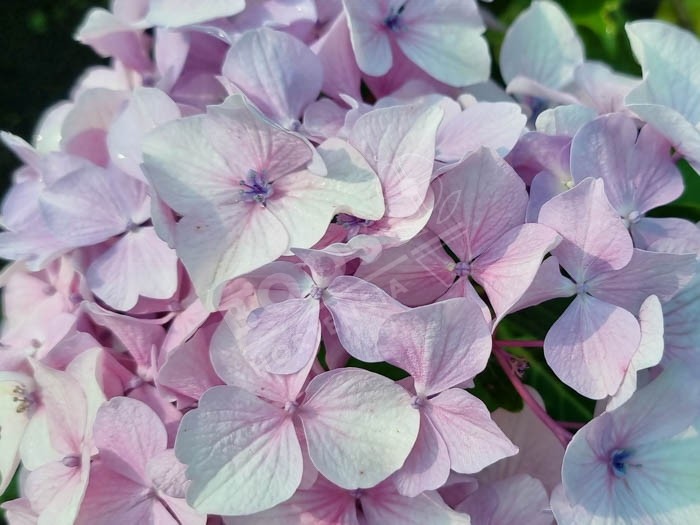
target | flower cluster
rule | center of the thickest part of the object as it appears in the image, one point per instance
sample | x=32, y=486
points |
x=259, y=261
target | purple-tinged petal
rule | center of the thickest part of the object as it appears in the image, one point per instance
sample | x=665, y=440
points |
x=358, y=309
x=477, y=202
x=427, y=466
x=440, y=345
x=667, y=234
x=167, y=474
x=591, y=345
x=399, y=143
x=564, y=120
x=56, y=490
x=384, y=506
x=128, y=434
x=277, y=72
x=519, y=499
x=485, y=124
x=283, y=337
x=139, y=264
x=416, y=272
x=89, y=206
x=147, y=109
x=473, y=440
x=639, y=173
x=233, y=444
x=359, y=426
x=230, y=364
x=341, y=76
x=509, y=266
x=594, y=237
x=648, y=273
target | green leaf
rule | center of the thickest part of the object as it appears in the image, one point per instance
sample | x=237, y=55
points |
x=494, y=388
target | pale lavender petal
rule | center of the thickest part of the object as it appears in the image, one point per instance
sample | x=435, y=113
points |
x=399, y=143
x=128, y=434
x=591, y=345
x=415, y=273
x=648, y=273
x=358, y=309
x=259, y=65
x=473, y=440
x=384, y=506
x=283, y=337
x=371, y=45
x=440, y=345
x=477, y=202
x=427, y=466
x=138, y=265
x=509, y=266
x=594, y=237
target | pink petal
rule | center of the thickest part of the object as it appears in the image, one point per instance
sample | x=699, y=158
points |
x=147, y=109
x=473, y=440
x=416, y=272
x=441, y=345
x=89, y=206
x=56, y=491
x=233, y=444
x=188, y=370
x=548, y=284
x=139, y=264
x=510, y=265
x=384, y=506
x=477, y=202
x=167, y=474
x=427, y=466
x=259, y=65
x=591, y=345
x=352, y=302
x=105, y=497
x=648, y=273
x=231, y=365
x=128, y=434
x=594, y=237
x=360, y=426
x=284, y=337
x=334, y=49
x=399, y=143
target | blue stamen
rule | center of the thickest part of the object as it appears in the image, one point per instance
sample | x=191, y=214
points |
x=257, y=189
x=392, y=20
x=619, y=459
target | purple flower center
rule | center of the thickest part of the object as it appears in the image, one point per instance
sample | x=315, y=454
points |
x=393, y=20
x=461, y=269
x=316, y=292
x=619, y=460
x=255, y=187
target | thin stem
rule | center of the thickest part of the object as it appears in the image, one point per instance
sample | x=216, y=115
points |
x=563, y=435
x=514, y=343
x=575, y=425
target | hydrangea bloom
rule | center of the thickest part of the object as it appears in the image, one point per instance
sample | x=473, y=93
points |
x=303, y=262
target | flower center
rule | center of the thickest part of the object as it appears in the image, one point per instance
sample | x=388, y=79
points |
x=316, y=292
x=255, y=188
x=461, y=269
x=393, y=20
x=71, y=461
x=619, y=461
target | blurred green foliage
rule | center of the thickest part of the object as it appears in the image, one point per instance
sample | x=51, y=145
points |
x=41, y=62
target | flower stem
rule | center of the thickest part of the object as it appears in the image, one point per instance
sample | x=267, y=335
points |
x=563, y=435
x=512, y=343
